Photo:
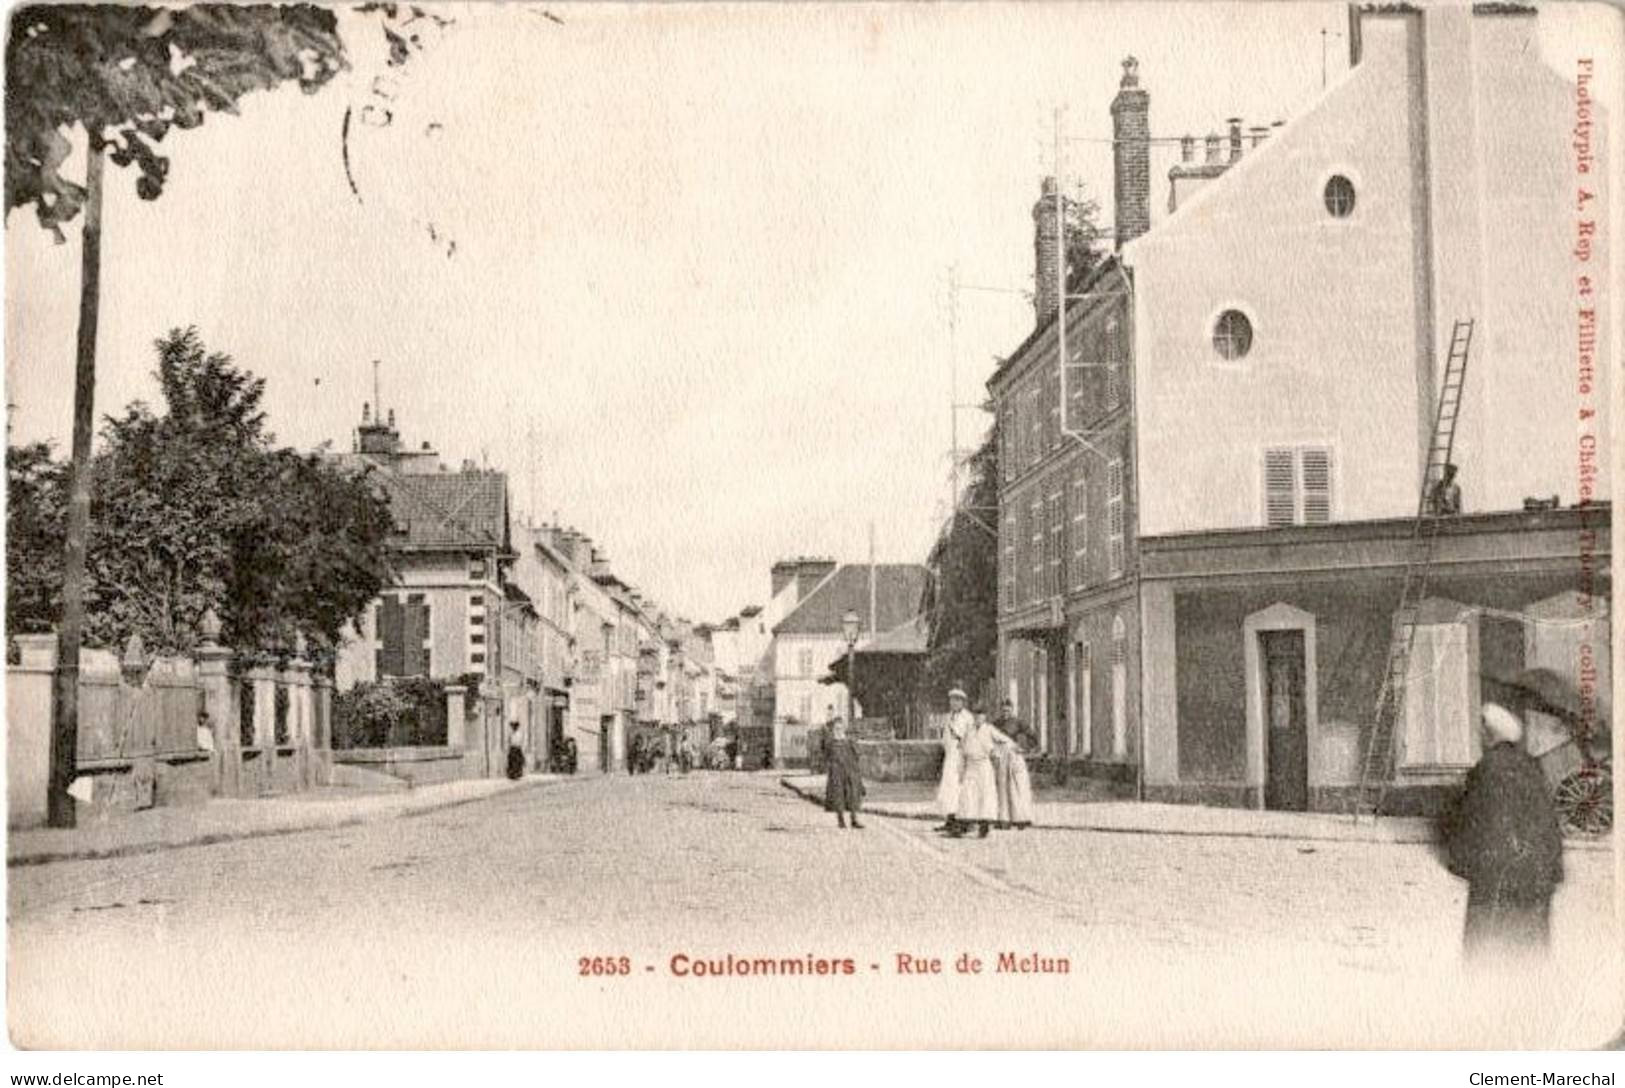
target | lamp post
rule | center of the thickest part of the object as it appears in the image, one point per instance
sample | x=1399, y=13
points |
x=849, y=627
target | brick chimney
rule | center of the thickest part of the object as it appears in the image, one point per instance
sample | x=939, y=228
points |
x=376, y=437
x=1131, y=155
x=1046, y=242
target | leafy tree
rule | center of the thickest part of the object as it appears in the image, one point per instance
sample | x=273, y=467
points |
x=961, y=598
x=36, y=507
x=195, y=509
x=125, y=75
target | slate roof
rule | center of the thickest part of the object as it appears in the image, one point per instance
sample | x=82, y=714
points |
x=898, y=589
x=909, y=637
x=449, y=510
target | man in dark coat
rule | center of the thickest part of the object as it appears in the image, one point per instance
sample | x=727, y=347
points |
x=843, y=778
x=1505, y=841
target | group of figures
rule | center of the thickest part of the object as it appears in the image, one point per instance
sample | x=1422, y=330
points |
x=561, y=757
x=670, y=753
x=984, y=770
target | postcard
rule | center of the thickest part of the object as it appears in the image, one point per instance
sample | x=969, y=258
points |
x=812, y=526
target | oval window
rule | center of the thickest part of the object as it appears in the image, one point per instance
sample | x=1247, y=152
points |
x=1340, y=196
x=1232, y=335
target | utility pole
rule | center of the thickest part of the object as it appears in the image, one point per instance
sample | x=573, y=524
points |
x=59, y=804
x=953, y=396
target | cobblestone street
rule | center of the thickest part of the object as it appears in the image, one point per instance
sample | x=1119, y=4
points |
x=461, y=925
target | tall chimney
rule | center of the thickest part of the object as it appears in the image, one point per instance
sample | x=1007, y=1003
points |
x=1235, y=138
x=1131, y=154
x=1046, y=242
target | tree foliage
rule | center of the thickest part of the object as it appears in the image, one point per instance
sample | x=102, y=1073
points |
x=962, y=597
x=128, y=74
x=195, y=508
x=36, y=512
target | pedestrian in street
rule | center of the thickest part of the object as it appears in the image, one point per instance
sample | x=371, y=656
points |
x=1504, y=839
x=1010, y=764
x=960, y=723
x=634, y=759
x=667, y=752
x=843, y=781
x=516, y=752
x=978, y=786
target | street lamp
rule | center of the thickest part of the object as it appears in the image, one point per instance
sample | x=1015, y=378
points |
x=849, y=627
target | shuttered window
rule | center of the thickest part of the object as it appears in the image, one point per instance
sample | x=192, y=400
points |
x=1076, y=406
x=1057, y=541
x=1297, y=485
x=1052, y=406
x=1317, y=485
x=1114, y=365
x=1035, y=540
x=1035, y=424
x=1007, y=572
x=1440, y=698
x=1114, y=517
x=1280, y=487
x=1080, y=530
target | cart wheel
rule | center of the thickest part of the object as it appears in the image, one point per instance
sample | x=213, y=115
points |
x=1585, y=799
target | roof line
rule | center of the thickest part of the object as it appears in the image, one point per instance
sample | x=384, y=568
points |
x=802, y=603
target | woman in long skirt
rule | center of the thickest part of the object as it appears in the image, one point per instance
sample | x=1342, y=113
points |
x=843, y=781
x=959, y=725
x=516, y=752
x=979, y=788
x=1010, y=763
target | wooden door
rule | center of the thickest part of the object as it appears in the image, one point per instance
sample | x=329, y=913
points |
x=1286, y=735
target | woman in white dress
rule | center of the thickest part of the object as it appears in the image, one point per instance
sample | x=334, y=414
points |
x=960, y=723
x=1010, y=762
x=978, y=787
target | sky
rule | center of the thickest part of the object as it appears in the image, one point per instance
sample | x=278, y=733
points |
x=698, y=303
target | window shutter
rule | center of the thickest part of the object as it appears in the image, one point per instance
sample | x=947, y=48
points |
x=391, y=643
x=1280, y=487
x=1080, y=530
x=1114, y=515
x=1035, y=531
x=1057, y=540
x=1114, y=366
x=1317, y=486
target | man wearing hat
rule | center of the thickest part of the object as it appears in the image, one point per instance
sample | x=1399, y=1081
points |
x=960, y=724
x=1505, y=841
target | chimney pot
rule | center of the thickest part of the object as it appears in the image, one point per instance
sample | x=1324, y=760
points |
x=1235, y=137
x=1259, y=133
x=366, y=412
x=392, y=417
x=1212, y=147
x=1187, y=148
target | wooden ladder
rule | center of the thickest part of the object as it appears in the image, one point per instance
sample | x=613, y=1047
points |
x=1377, y=769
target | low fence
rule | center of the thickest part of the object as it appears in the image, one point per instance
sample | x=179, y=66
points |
x=167, y=730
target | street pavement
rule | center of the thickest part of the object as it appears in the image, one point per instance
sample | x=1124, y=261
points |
x=492, y=924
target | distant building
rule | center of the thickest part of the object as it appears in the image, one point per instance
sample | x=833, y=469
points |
x=810, y=637
x=443, y=618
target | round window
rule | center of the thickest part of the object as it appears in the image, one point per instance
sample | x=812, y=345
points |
x=1232, y=335
x=1340, y=196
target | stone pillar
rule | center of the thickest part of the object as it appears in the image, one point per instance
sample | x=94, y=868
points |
x=28, y=729
x=456, y=716
x=220, y=708
x=321, y=723
x=263, y=679
x=299, y=716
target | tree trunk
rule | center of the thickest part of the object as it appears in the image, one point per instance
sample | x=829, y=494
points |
x=65, y=707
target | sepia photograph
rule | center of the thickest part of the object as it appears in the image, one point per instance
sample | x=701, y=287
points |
x=813, y=526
